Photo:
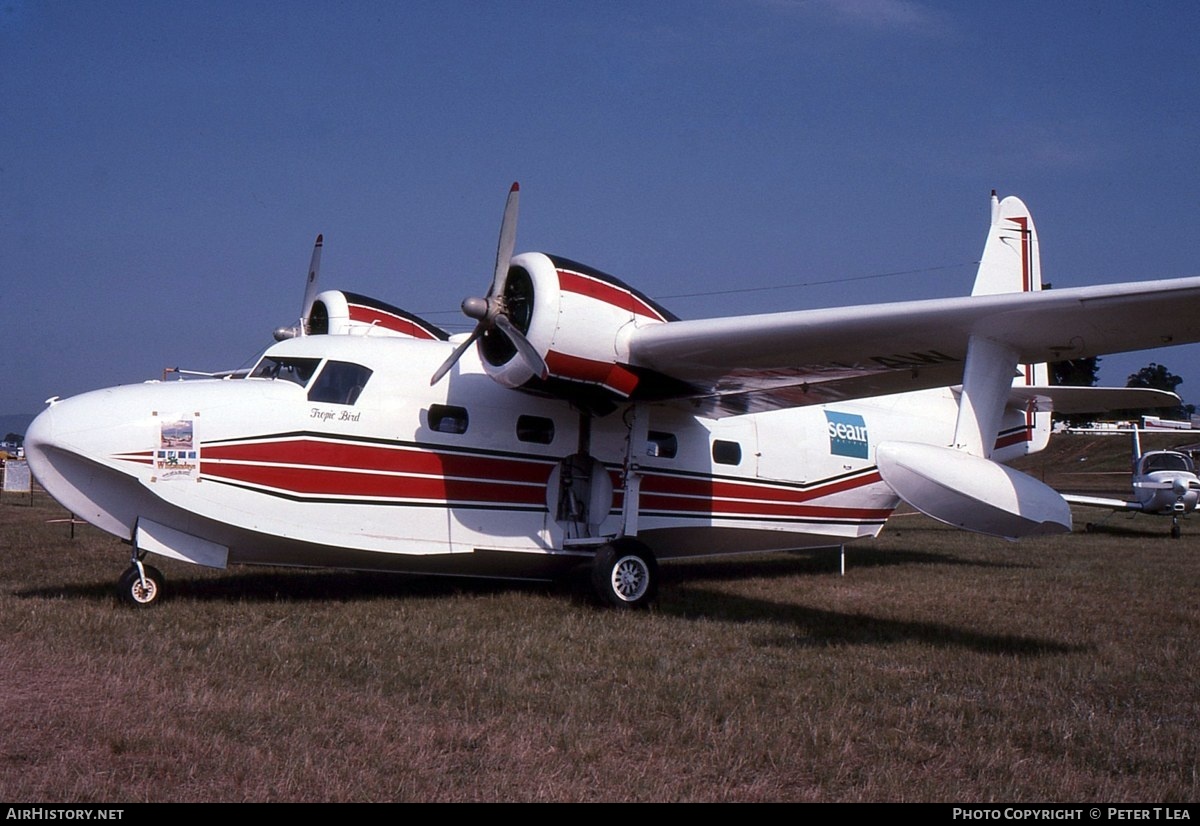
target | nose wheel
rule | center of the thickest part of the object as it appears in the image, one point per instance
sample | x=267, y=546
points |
x=141, y=585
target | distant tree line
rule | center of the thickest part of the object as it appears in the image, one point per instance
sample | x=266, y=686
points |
x=1085, y=373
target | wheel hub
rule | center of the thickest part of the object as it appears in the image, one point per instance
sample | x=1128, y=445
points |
x=144, y=590
x=630, y=578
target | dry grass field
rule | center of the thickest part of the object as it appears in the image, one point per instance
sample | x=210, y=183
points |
x=943, y=667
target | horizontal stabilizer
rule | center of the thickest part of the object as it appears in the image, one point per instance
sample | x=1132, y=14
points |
x=1091, y=399
x=970, y=492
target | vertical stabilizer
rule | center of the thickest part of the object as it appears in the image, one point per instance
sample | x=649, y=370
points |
x=1010, y=262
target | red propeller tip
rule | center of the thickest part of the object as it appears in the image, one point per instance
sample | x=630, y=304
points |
x=516, y=186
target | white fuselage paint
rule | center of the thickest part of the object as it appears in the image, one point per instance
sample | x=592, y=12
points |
x=255, y=466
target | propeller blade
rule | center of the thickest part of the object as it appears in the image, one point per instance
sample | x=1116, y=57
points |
x=533, y=359
x=508, y=240
x=489, y=312
x=456, y=355
x=310, y=286
x=310, y=296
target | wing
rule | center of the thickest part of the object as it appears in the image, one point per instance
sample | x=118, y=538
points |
x=1102, y=502
x=758, y=362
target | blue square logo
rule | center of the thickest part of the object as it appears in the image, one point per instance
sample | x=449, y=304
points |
x=847, y=434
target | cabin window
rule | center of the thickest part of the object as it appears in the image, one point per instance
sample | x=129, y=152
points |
x=536, y=429
x=340, y=382
x=662, y=445
x=297, y=371
x=447, y=418
x=726, y=453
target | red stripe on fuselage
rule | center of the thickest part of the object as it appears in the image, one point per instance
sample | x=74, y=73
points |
x=721, y=496
x=739, y=508
x=329, y=468
x=322, y=482
x=756, y=490
x=349, y=456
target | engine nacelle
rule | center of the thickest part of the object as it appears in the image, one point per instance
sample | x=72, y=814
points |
x=336, y=312
x=578, y=319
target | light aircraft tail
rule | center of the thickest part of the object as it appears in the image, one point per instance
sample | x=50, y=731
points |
x=1011, y=264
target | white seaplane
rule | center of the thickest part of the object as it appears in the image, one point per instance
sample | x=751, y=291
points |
x=581, y=423
x=1164, y=483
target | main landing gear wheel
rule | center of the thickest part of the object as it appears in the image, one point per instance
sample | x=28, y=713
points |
x=625, y=575
x=138, y=589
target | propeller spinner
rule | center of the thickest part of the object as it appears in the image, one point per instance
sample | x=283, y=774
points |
x=492, y=312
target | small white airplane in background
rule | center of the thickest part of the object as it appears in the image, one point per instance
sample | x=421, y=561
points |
x=588, y=426
x=1164, y=483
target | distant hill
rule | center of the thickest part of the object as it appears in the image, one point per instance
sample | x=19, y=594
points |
x=14, y=423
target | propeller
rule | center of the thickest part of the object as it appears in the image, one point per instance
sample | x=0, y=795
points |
x=310, y=286
x=491, y=312
x=310, y=296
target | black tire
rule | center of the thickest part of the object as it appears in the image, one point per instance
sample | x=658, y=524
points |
x=134, y=593
x=1176, y=532
x=625, y=574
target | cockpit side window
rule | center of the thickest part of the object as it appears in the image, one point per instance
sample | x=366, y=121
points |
x=340, y=382
x=296, y=370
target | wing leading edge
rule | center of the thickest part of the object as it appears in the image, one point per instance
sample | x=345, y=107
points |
x=747, y=363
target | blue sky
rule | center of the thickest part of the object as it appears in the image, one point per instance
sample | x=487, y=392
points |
x=165, y=166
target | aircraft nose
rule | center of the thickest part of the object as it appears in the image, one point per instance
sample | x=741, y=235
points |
x=69, y=446
x=39, y=436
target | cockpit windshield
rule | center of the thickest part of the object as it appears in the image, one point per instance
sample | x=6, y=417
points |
x=1165, y=461
x=296, y=370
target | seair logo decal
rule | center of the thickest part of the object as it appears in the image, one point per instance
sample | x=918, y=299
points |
x=847, y=434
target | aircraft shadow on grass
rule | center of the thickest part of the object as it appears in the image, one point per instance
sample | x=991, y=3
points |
x=820, y=628
x=814, y=562
x=299, y=587
x=281, y=585
x=810, y=627
x=1126, y=526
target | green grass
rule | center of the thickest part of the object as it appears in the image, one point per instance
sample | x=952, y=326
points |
x=943, y=667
